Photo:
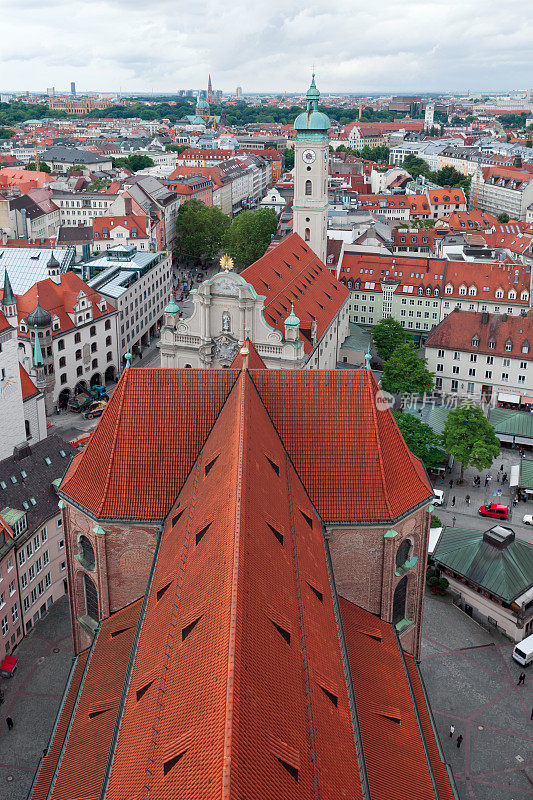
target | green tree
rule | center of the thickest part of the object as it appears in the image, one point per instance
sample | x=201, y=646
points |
x=406, y=372
x=503, y=218
x=135, y=162
x=43, y=167
x=6, y=133
x=200, y=230
x=449, y=176
x=288, y=157
x=249, y=236
x=421, y=440
x=469, y=437
x=416, y=166
x=175, y=148
x=387, y=335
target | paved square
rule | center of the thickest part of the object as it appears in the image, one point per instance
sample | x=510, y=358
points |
x=32, y=698
x=471, y=680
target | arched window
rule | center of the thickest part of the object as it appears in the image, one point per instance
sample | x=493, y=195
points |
x=91, y=598
x=308, y=187
x=403, y=552
x=307, y=234
x=400, y=601
x=86, y=552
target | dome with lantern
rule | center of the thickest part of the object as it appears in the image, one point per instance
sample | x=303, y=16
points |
x=312, y=123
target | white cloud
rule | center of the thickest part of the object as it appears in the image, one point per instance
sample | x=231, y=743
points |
x=396, y=45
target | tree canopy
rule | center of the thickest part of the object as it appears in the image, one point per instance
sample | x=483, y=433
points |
x=249, y=236
x=406, y=372
x=6, y=133
x=387, y=335
x=43, y=167
x=135, y=162
x=175, y=148
x=503, y=218
x=421, y=440
x=469, y=437
x=200, y=230
x=288, y=157
x=447, y=176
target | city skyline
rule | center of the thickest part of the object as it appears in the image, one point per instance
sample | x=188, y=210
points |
x=414, y=48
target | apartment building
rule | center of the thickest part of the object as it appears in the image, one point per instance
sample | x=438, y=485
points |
x=62, y=159
x=488, y=356
x=496, y=287
x=34, y=215
x=82, y=208
x=10, y=605
x=29, y=505
x=501, y=190
x=139, y=286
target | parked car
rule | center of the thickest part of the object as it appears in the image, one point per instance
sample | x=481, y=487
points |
x=439, y=497
x=528, y=519
x=95, y=410
x=496, y=510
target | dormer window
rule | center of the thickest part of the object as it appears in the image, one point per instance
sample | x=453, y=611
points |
x=475, y=342
x=428, y=291
x=448, y=289
x=512, y=295
x=472, y=291
x=492, y=344
x=23, y=326
x=462, y=289
x=524, y=295
x=420, y=290
x=525, y=347
x=436, y=292
x=508, y=345
x=499, y=293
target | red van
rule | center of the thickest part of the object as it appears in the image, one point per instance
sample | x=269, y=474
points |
x=495, y=510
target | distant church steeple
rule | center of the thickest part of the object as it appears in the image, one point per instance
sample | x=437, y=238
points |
x=210, y=97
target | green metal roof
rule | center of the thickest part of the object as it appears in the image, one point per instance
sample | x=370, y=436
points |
x=358, y=339
x=11, y=515
x=511, y=423
x=505, y=573
x=526, y=474
x=432, y=415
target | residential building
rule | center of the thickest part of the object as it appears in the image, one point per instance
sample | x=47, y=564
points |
x=69, y=334
x=158, y=203
x=408, y=288
x=127, y=230
x=308, y=620
x=220, y=182
x=445, y=201
x=139, y=286
x=10, y=605
x=189, y=187
x=488, y=356
x=500, y=190
x=34, y=215
x=293, y=309
x=29, y=505
x=82, y=208
x=496, y=287
x=491, y=572
x=198, y=157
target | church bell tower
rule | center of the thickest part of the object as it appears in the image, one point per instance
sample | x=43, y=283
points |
x=311, y=163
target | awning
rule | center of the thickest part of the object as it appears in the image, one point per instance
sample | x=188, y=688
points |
x=523, y=440
x=503, y=437
x=526, y=400
x=515, y=475
x=508, y=398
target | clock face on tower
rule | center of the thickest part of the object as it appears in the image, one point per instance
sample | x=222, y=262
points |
x=309, y=156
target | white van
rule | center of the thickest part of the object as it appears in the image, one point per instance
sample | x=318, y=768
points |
x=523, y=651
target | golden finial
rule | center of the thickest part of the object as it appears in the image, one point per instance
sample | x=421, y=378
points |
x=226, y=262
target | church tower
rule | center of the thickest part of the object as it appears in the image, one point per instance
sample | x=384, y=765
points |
x=311, y=163
x=429, y=115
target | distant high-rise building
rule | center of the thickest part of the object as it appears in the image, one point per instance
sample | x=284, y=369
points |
x=239, y=91
x=73, y=89
x=429, y=115
x=51, y=91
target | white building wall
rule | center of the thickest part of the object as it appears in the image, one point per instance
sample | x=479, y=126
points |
x=34, y=414
x=12, y=429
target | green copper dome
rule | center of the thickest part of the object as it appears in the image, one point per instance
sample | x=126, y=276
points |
x=292, y=320
x=172, y=308
x=312, y=123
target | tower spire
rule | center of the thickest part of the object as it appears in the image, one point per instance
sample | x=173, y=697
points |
x=8, y=298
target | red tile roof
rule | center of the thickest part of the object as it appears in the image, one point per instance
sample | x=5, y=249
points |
x=487, y=279
x=59, y=299
x=292, y=274
x=233, y=679
x=446, y=196
x=350, y=455
x=387, y=716
x=460, y=328
x=27, y=385
x=410, y=271
x=129, y=221
x=4, y=324
x=253, y=359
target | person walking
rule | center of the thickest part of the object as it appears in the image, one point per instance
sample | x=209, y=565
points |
x=501, y=468
x=452, y=730
x=486, y=480
x=504, y=479
x=498, y=477
x=453, y=522
x=451, y=483
x=521, y=679
x=453, y=501
x=459, y=741
x=467, y=498
x=10, y=724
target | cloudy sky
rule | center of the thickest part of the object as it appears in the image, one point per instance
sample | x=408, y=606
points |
x=266, y=45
